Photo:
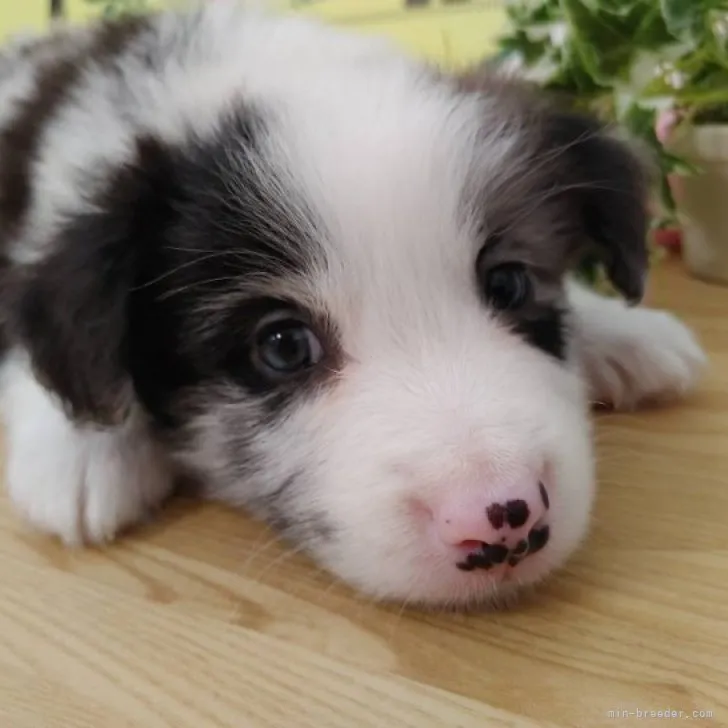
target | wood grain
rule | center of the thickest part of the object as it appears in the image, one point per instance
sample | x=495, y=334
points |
x=203, y=620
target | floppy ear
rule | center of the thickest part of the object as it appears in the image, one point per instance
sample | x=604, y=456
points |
x=70, y=310
x=608, y=185
x=604, y=181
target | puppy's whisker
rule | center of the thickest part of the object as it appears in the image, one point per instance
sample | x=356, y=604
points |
x=259, y=550
x=286, y=555
x=542, y=160
x=177, y=269
x=547, y=196
x=196, y=284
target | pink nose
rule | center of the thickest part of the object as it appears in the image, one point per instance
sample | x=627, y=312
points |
x=507, y=525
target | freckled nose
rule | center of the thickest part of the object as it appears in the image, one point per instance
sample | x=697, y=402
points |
x=494, y=529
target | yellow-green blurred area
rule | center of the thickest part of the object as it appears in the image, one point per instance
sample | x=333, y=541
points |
x=452, y=32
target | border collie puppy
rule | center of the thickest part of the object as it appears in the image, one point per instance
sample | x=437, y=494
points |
x=327, y=281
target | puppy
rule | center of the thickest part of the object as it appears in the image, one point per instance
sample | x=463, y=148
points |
x=330, y=283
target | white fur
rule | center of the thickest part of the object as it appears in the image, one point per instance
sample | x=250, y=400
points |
x=634, y=356
x=239, y=55
x=80, y=483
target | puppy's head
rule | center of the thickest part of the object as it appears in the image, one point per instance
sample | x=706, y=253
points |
x=344, y=306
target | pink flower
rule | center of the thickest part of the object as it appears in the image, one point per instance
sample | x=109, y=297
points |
x=671, y=238
x=666, y=122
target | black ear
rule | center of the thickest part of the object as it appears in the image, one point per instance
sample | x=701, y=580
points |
x=70, y=310
x=608, y=185
x=70, y=316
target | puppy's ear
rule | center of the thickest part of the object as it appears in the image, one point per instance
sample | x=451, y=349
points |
x=607, y=183
x=71, y=309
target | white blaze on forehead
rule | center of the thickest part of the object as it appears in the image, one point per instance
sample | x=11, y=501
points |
x=388, y=161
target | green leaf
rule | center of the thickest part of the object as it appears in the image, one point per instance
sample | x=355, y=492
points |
x=520, y=14
x=682, y=17
x=708, y=87
x=686, y=19
x=651, y=30
x=717, y=23
x=604, y=47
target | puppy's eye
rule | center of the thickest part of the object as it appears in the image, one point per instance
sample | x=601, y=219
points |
x=507, y=286
x=284, y=347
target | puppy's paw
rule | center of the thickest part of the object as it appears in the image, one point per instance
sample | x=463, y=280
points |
x=642, y=356
x=81, y=484
x=83, y=489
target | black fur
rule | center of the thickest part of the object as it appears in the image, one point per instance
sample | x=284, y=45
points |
x=587, y=191
x=606, y=186
x=577, y=192
x=143, y=296
x=22, y=136
x=538, y=318
x=546, y=330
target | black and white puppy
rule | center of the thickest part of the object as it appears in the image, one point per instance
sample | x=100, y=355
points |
x=326, y=280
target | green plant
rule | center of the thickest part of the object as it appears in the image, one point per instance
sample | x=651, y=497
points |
x=628, y=61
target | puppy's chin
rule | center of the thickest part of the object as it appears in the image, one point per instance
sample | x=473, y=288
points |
x=508, y=596
x=446, y=590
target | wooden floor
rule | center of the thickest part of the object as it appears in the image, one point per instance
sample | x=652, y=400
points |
x=204, y=621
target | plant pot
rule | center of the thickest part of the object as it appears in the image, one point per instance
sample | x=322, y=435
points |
x=702, y=200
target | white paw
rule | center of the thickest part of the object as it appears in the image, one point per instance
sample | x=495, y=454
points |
x=82, y=485
x=642, y=356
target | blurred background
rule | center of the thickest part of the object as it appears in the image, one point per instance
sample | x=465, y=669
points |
x=452, y=31
x=658, y=68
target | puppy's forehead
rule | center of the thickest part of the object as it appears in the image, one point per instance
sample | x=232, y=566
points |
x=396, y=168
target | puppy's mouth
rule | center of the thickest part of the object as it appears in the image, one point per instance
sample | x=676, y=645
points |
x=485, y=556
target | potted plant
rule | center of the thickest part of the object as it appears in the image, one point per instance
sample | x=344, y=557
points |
x=698, y=88
x=639, y=63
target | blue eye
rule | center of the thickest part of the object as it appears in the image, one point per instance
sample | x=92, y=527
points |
x=285, y=347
